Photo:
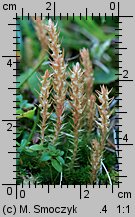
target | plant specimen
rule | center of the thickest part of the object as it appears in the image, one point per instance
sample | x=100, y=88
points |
x=44, y=102
x=88, y=71
x=104, y=112
x=103, y=123
x=59, y=75
x=96, y=156
x=77, y=99
x=88, y=82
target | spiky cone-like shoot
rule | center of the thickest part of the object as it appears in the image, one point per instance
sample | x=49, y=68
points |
x=41, y=33
x=96, y=156
x=77, y=99
x=88, y=71
x=88, y=81
x=44, y=102
x=59, y=74
x=103, y=121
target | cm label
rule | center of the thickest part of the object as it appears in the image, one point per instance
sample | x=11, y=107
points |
x=9, y=7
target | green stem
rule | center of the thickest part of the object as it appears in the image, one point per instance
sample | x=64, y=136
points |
x=32, y=72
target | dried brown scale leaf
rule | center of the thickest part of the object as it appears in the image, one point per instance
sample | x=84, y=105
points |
x=59, y=76
x=44, y=102
x=41, y=32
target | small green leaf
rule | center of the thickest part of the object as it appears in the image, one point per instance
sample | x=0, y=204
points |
x=23, y=142
x=36, y=147
x=45, y=157
x=60, y=159
x=52, y=148
x=53, y=154
x=31, y=153
x=67, y=134
x=28, y=114
x=22, y=145
x=56, y=165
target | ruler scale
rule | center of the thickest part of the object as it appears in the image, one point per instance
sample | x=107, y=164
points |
x=68, y=200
